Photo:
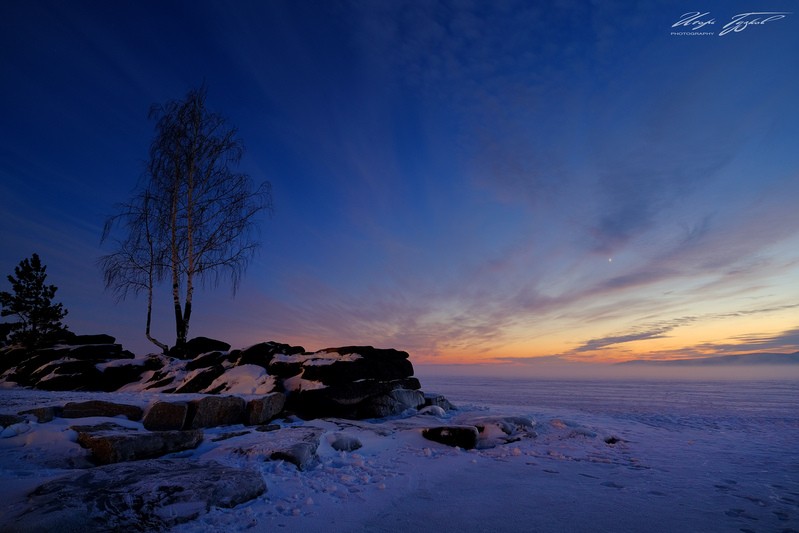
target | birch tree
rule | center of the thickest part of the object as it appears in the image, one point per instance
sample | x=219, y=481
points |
x=198, y=218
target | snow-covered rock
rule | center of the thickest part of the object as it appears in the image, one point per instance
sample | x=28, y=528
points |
x=461, y=436
x=296, y=445
x=143, y=496
x=110, y=443
x=343, y=442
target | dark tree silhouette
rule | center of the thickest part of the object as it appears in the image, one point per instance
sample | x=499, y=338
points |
x=136, y=263
x=195, y=217
x=31, y=302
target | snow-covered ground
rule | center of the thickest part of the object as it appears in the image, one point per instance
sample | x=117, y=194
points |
x=609, y=456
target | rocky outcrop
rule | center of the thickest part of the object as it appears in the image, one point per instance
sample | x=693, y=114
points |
x=74, y=362
x=263, y=353
x=349, y=382
x=111, y=443
x=152, y=495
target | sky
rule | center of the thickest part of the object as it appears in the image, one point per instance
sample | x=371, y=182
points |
x=502, y=182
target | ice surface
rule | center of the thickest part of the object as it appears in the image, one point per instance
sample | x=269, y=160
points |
x=606, y=456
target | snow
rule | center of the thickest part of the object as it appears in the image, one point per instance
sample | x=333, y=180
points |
x=139, y=361
x=606, y=456
x=245, y=380
x=297, y=383
x=317, y=358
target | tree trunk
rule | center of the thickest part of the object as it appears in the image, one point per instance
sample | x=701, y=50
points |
x=164, y=347
x=150, y=274
x=180, y=328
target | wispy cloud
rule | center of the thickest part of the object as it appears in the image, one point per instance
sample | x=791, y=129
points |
x=646, y=332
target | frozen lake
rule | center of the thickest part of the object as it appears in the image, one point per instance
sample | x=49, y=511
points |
x=615, y=456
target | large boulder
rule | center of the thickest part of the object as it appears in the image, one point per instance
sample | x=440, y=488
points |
x=78, y=340
x=98, y=352
x=348, y=382
x=69, y=375
x=165, y=416
x=244, y=379
x=333, y=366
x=497, y=430
x=437, y=400
x=261, y=354
x=213, y=411
x=206, y=360
x=116, y=376
x=343, y=400
x=262, y=410
x=110, y=443
x=198, y=345
x=8, y=420
x=153, y=495
x=461, y=436
x=391, y=403
x=200, y=379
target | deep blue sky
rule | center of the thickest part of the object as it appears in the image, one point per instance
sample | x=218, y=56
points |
x=464, y=180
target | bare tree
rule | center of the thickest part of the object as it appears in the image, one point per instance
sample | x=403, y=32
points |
x=136, y=264
x=196, y=219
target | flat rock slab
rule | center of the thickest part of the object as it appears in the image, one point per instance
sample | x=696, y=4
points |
x=100, y=408
x=143, y=496
x=115, y=444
